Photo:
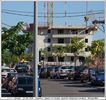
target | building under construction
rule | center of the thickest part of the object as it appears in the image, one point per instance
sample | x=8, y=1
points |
x=50, y=35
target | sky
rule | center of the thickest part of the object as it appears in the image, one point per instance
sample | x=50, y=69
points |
x=59, y=7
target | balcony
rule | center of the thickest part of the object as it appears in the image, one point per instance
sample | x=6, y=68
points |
x=84, y=54
x=59, y=44
x=68, y=35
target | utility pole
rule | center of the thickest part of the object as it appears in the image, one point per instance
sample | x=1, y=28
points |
x=36, y=53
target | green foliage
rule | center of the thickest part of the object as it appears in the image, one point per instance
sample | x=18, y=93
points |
x=76, y=45
x=27, y=57
x=97, y=48
x=7, y=57
x=15, y=40
x=58, y=50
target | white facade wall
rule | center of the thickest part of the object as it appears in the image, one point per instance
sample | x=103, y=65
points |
x=67, y=35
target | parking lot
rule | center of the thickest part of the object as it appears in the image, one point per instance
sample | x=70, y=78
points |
x=68, y=88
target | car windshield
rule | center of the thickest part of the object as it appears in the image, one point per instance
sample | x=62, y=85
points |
x=11, y=74
x=18, y=66
x=5, y=70
x=66, y=67
x=49, y=68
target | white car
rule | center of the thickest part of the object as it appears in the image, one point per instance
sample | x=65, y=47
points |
x=5, y=71
x=63, y=71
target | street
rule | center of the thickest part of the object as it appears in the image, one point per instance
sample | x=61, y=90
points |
x=66, y=88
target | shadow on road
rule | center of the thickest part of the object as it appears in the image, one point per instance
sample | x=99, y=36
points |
x=93, y=90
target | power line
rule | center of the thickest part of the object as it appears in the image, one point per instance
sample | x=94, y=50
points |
x=17, y=14
x=5, y=10
x=6, y=24
x=17, y=11
x=46, y=16
x=101, y=30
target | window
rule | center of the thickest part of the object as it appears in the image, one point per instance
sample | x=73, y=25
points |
x=50, y=59
x=60, y=40
x=81, y=59
x=49, y=40
x=61, y=59
x=74, y=31
x=86, y=49
x=72, y=59
x=60, y=31
x=48, y=49
x=49, y=31
x=86, y=31
x=86, y=40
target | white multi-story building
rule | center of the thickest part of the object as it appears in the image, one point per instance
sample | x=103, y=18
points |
x=62, y=35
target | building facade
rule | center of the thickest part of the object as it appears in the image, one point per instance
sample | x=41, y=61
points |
x=61, y=36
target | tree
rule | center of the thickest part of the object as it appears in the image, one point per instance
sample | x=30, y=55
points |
x=58, y=51
x=97, y=51
x=76, y=47
x=15, y=40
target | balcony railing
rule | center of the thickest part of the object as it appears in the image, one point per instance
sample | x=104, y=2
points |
x=68, y=35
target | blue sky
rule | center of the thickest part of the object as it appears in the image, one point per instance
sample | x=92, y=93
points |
x=60, y=7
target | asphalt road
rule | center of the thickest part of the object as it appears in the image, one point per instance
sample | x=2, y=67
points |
x=66, y=88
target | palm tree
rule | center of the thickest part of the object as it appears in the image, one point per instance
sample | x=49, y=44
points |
x=76, y=47
x=58, y=51
x=97, y=51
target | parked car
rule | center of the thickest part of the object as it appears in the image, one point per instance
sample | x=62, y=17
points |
x=21, y=84
x=22, y=68
x=63, y=71
x=43, y=73
x=75, y=72
x=49, y=69
x=97, y=77
x=85, y=75
x=9, y=78
x=5, y=71
x=54, y=72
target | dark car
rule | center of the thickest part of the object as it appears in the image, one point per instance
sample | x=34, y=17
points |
x=49, y=69
x=97, y=77
x=54, y=72
x=86, y=75
x=22, y=68
x=21, y=84
x=75, y=72
x=43, y=73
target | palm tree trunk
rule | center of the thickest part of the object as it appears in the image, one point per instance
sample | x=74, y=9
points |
x=57, y=59
x=75, y=59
